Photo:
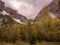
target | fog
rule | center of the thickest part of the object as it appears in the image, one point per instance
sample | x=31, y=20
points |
x=28, y=8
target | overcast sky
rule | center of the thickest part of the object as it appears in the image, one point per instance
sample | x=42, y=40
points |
x=28, y=8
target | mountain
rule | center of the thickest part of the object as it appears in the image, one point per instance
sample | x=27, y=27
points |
x=5, y=19
x=15, y=15
x=12, y=13
x=43, y=14
x=53, y=8
x=1, y=5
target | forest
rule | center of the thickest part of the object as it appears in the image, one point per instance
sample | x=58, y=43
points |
x=46, y=29
x=43, y=30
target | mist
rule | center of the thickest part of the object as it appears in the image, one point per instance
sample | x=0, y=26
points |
x=28, y=8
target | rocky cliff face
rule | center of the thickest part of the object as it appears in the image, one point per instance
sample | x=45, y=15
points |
x=12, y=13
x=1, y=5
x=54, y=8
x=5, y=19
x=44, y=13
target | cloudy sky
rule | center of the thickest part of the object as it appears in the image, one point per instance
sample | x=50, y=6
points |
x=28, y=8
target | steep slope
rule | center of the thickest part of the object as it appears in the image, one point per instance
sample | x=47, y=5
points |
x=44, y=14
x=54, y=8
x=12, y=13
x=1, y=5
x=5, y=19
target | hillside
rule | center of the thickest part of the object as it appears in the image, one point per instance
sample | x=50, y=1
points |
x=5, y=19
x=43, y=30
x=54, y=8
x=12, y=13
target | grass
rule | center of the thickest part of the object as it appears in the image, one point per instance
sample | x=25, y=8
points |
x=26, y=43
x=48, y=43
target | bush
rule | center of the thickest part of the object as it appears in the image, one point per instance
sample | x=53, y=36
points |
x=46, y=29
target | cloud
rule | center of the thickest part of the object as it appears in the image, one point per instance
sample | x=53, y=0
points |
x=28, y=8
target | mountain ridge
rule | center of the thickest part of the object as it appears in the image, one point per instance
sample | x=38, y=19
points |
x=12, y=13
x=53, y=8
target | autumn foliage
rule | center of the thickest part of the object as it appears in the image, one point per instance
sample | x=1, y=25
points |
x=47, y=29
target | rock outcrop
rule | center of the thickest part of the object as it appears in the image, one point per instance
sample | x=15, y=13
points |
x=12, y=13
x=53, y=8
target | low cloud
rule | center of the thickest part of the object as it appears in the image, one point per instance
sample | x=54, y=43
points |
x=28, y=8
